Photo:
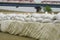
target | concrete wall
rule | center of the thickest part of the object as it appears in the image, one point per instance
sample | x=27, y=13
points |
x=55, y=9
x=25, y=9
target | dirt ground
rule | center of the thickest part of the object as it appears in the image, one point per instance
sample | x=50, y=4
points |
x=18, y=12
x=6, y=36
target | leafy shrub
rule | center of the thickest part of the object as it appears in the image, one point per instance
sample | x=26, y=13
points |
x=48, y=9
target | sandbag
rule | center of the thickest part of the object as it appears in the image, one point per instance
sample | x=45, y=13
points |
x=4, y=25
x=46, y=20
x=58, y=16
x=15, y=27
x=39, y=19
x=36, y=15
x=41, y=31
x=56, y=21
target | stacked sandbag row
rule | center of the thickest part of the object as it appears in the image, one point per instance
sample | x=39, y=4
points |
x=41, y=31
x=34, y=17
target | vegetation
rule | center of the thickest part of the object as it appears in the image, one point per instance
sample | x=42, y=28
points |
x=47, y=9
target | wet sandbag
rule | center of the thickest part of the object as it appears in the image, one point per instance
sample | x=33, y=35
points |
x=5, y=25
x=41, y=31
x=0, y=25
x=31, y=29
x=50, y=32
x=15, y=27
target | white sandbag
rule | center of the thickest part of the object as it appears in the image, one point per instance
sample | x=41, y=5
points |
x=36, y=15
x=48, y=16
x=15, y=27
x=0, y=25
x=29, y=15
x=41, y=31
x=46, y=21
x=22, y=15
x=28, y=19
x=35, y=30
x=1, y=14
x=58, y=16
x=19, y=18
x=50, y=31
x=1, y=18
x=13, y=14
x=56, y=21
x=12, y=18
x=39, y=19
x=4, y=25
x=30, y=29
x=33, y=19
x=53, y=16
x=6, y=18
x=45, y=16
